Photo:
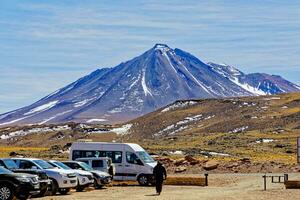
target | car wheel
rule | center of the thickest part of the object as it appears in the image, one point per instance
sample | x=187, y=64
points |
x=80, y=188
x=64, y=191
x=96, y=185
x=54, y=187
x=143, y=180
x=6, y=192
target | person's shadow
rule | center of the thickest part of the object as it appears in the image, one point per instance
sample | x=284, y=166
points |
x=151, y=195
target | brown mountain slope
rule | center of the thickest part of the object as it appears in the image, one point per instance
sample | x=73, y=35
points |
x=262, y=128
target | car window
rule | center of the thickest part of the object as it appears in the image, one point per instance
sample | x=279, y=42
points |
x=10, y=164
x=43, y=164
x=5, y=171
x=97, y=163
x=25, y=164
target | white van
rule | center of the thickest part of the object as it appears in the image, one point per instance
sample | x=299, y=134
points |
x=131, y=161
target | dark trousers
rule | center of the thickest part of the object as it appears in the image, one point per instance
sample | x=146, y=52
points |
x=158, y=185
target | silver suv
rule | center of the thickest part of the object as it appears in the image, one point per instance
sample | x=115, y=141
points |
x=62, y=180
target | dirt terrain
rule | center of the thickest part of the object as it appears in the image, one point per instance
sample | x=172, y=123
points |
x=221, y=187
x=243, y=135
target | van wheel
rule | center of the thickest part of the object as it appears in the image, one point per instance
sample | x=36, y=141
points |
x=143, y=180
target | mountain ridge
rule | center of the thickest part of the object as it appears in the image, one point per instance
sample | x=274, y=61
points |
x=158, y=77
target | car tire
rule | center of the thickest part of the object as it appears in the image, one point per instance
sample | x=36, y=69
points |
x=64, y=191
x=6, y=192
x=143, y=180
x=43, y=192
x=80, y=188
x=54, y=187
x=96, y=185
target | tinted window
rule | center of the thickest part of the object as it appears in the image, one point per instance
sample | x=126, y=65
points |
x=116, y=156
x=97, y=163
x=4, y=171
x=10, y=164
x=25, y=164
x=132, y=158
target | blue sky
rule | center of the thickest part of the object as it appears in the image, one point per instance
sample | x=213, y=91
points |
x=48, y=44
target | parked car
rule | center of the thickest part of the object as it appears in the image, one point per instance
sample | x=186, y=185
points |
x=101, y=178
x=45, y=182
x=62, y=180
x=103, y=164
x=17, y=185
x=85, y=178
x=132, y=162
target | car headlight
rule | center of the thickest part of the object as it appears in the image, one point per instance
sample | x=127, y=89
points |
x=24, y=180
x=64, y=175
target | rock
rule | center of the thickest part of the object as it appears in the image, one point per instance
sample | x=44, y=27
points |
x=211, y=165
x=245, y=160
x=280, y=146
x=180, y=162
x=180, y=169
x=165, y=153
x=289, y=151
x=233, y=165
x=190, y=158
x=211, y=142
x=15, y=154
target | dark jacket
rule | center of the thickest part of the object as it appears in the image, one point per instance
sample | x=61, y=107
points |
x=159, y=172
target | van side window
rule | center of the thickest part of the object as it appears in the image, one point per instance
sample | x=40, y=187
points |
x=116, y=156
x=97, y=163
x=133, y=159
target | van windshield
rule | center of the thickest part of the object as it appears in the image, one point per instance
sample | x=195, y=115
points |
x=145, y=157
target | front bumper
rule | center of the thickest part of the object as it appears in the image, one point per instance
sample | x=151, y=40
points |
x=85, y=180
x=104, y=180
x=65, y=182
x=28, y=189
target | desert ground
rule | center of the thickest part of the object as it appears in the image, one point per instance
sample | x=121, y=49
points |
x=221, y=186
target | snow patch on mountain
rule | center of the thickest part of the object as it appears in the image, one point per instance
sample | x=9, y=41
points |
x=249, y=88
x=53, y=117
x=13, y=121
x=179, y=105
x=145, y=88
x=81, y=103
x=25, y=132
x=42, y=107
x=96, y=120
x=122, y=130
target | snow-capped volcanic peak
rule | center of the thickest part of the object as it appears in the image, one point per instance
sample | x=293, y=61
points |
x=157, y=78
x=162, y=47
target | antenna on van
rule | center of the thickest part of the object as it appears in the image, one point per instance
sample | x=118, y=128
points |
x=84, y=140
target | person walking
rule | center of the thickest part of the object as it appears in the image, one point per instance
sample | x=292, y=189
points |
x=160, y=174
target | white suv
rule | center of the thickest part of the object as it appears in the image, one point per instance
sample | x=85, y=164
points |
x=62, y=180
x=85, y=178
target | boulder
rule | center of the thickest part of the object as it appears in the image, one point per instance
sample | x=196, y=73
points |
x=211, y=165
x=190, y=158
x=180, y=169
x=181, y=161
